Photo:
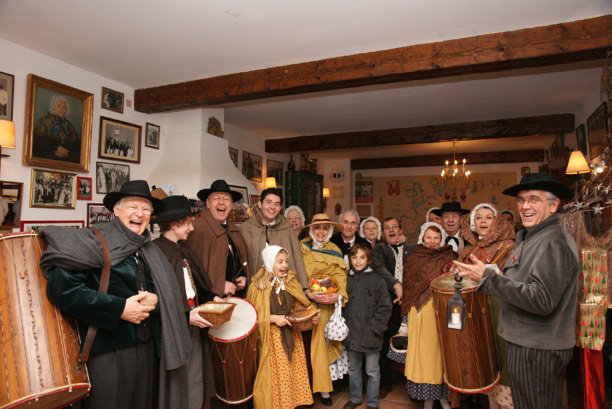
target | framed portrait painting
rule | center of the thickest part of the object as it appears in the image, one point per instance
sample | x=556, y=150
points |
x=252, y=166
x=112, y=100
x=98, y=213
x=58, y=125
x=111, y=176
x=7, y=87
x=119, y=140
x=52, y=189
x=597, y=125
x=152, y=133
x=276, y=170
x=234, y=156
x=84, y=188
x=37, y=225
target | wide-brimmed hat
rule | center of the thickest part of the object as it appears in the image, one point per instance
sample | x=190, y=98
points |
x=175, y=208
x=322, y=218
x=541, y=181
x=450, y=207
x=219, y=186
x=133, y=188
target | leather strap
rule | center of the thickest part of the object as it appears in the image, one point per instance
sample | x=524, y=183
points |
x=104, y=278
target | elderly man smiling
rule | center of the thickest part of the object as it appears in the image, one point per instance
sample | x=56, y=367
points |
x=141, y=309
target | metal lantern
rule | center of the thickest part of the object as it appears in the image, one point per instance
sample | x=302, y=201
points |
x=456, y=308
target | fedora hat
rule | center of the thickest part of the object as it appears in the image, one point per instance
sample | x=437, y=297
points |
x=450, y=207
x=219, y=185
x=541, y=181
x=322, y=218
x=133, y=188
x=175, y=208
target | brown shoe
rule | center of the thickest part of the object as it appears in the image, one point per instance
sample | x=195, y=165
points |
x=351, y=405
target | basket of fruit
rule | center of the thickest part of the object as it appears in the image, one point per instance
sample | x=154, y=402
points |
x=324, y=285
x=301, y=320
x=217, y=313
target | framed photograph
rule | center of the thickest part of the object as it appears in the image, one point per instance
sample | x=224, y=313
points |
x=252, y=166
x=598, y=130
x=581, y=139
x=276, y=169
x=112, y=100
x=7, y=87
x=84, y=188
x=36, y=225
x=58, y=125
x=111, y=176
x=253, y=199
x=234, y=156
x=152, y=133
x=52, y=189
x=97, y=213
x=119, y=140
x=11, y=194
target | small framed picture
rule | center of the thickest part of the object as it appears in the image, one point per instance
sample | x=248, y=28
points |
x=112, y=100
x=7, y=86
x=275, y=169
x=234, y=156
x=153, y=133
x=52, y=189
x=119, y=140
x=598, y=130
x=253, y=199
x=239, y=213
x=111, y=176
x=581, y=139
x=97, y=213
x=37, y=225
x=84, y=188
x=252, y=166
x=11, y=193
x=525, y=170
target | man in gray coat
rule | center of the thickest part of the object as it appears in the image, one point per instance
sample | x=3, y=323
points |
x=538, y=289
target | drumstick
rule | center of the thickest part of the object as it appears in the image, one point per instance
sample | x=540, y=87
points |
x=238, y=272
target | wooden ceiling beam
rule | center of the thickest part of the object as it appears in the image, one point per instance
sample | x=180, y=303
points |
x=581, y=40
x=464, y=131
x=476, y=158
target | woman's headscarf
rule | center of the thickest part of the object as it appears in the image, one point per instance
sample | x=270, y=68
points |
x=426, y=226
x=269, y=254
x=428, y=212
x=475, y=209
x=370, y=219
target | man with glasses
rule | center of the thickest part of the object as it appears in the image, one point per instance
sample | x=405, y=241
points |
x=538, y=289
x=127, y=323
x=389, y=259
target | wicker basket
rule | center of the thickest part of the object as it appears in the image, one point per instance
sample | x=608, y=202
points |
x=398, y=343
x=301, y=320
x=334, y=284
x=217, y=313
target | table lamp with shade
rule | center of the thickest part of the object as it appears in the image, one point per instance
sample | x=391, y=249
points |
x=270, y=182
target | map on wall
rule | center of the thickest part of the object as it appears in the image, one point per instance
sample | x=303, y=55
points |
x=408, y=198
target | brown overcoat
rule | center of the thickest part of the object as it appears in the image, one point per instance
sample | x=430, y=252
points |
x=209, y=241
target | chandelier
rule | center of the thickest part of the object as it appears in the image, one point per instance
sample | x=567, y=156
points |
x=455, y=178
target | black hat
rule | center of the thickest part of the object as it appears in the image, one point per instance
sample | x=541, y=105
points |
x=175, y=208
x=219, y=186
x=133, y=188
x=450, y=207
x=541, y=181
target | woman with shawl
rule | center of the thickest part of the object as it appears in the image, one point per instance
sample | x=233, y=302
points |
x=424, y=368
x=370, y=229
x=486, y=236
x=282, y=374
x=323, y=259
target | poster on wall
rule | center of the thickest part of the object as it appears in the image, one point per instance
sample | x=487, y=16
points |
x=364, y=189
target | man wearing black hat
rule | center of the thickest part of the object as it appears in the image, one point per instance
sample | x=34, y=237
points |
x=538, y=289
x=126, y=320
x=221, y=249
x=175, y=223
x=451, y=213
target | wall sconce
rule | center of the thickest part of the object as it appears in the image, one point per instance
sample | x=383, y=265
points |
x=270, y=183
x=7, y=136
x=456, y=308
x=325, y=197
x=577, y=164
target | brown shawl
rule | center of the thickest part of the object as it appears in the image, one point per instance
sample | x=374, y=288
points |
x=420, y=268
x=500, y=235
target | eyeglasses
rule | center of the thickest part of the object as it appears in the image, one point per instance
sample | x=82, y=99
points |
x=147, y=211
x=295, y=219
x=395, y=226
x=532, y=200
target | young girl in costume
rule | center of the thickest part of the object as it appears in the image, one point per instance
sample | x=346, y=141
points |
x=282, y=375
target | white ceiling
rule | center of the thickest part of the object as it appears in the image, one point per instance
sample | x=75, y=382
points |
x=152, y=42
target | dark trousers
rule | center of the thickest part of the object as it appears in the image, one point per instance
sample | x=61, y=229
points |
x=386, y=375
x=536, y=376
x=123, y=379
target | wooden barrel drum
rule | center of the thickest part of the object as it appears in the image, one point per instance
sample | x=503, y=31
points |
x=469, y=356
x=39, y=346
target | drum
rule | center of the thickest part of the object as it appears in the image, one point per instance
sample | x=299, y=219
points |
x=39, y=346
x=469, y=357
x=234, y=353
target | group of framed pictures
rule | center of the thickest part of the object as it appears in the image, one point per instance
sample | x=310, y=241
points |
x=252, y=166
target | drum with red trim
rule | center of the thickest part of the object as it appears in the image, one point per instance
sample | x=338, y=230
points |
x=234, y=353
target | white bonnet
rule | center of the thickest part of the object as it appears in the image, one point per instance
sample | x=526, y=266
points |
x=370, y=219
x=426, y=226
x=475, y=209
x=269, y=255
x=428, y=212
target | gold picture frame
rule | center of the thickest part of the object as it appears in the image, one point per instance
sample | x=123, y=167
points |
x=58, y=122
x=52, y=189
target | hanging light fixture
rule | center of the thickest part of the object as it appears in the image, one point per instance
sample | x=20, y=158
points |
x=455, y=178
